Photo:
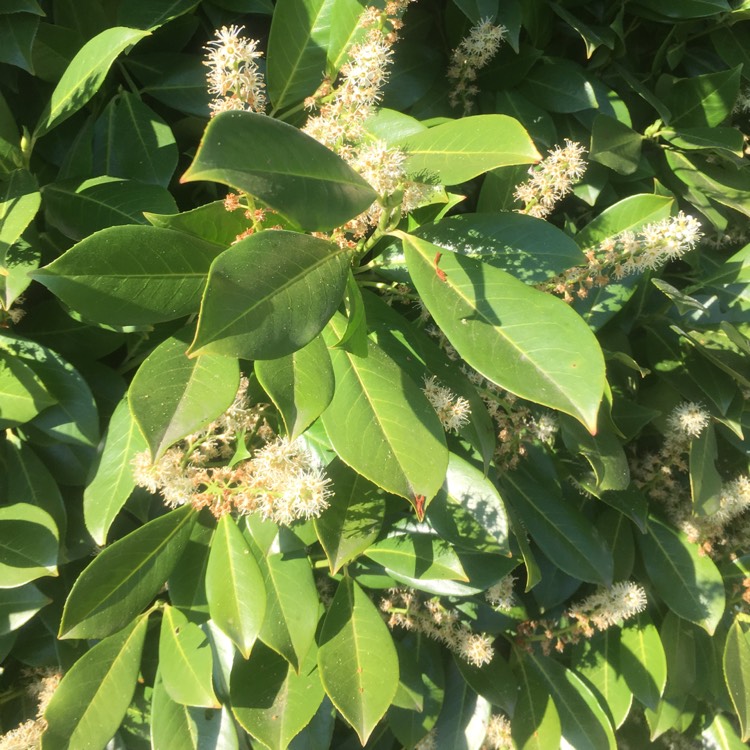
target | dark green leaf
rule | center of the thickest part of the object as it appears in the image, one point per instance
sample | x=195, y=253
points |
x=643, y=661
x=536, y=722
x=17, y=33
x=287, y=169
x=18, y=605
x=124, y=578
x=615, y=145
x=737, y=673
x=149, y=14
x=705, y=480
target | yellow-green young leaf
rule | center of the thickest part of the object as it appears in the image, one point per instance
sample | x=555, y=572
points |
x=90, y=702
x=462, y=149
x=132, y=275
x=178, y=727
x=111, y=478
x=737, y=672
x=418, y=556
x=270, y=700
x=269, y=295
x=584, y=723
x=85, y=74
x=357, y=659
x=353, y=521
x=528, y=342
x=172, y=395
x=234, y=586
x=29, y=544
x=185, y=661
x=536, y=722
x=300, y=384
x=282, y=166
x=380, y=422
x=124, y=577
x=689, y=583
x=643, y=661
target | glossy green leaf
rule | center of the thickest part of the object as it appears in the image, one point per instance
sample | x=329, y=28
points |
x=175, y=79
x=585, y=725
x=526, y=247
x=137, y=143
x=285, y=168
x=468, y=510
x=381, y=424
x=178, y=727
x=291, y=606
x=85, y=75
x=270, y=701
x=22, y=392
x=132, y=275
x=300, y=385
x=111, y=479
x=615, y=145
x=172, y=395
x=357, y=660
x=125, y=576
x=79, y=208
x=149, y=14
x=187, y=582
x=417, y=556
x=722, y=734
x=270, y=294
x=18, y=605
x=721, y=139
x=234, y=586
x=562, y=532
x=702, y=100
x=90, y=702
x=688, y=582
x=19, y=202
x=185, y=661
x=494, y=681
x=461, y=149
x=536, y=722
x=598, y=661
x=705, y=480
x=344, y=31
x=28, y=544
x=737, y=672
x=524, y=340
x=297, y=49
x=17, y=34
x=353, y=520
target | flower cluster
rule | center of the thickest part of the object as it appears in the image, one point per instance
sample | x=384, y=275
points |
x=473, y=53
x=742, y=105
x=552, y=179
x=280, y=481
x=452, y=410
x=406, y=609
x=234, y=77
x=29, y=734
x=629, y=253
x=501, y=596
x=498, y=734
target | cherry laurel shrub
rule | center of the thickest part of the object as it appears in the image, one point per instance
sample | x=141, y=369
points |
x=374, y=375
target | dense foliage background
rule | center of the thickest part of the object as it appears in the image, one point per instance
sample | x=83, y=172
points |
x=401, y=402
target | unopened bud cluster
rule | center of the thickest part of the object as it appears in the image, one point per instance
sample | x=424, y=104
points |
x=552, y=179
x=280, y=482
x=234, y=77
x=629, y=253
x=405, y=608
x=473, y=53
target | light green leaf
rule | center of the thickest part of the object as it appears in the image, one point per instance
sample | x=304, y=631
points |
x=172, y=396
x=20, y=202
x=353, y=521
x=689, y=583
x=270, y=701
x=85, y=75
x=722, y=735
x=288, y=170
x=187, y=582
x=357, y=660
x=185, y=661
x=270, y=294
x=737, y=673
x=18, y=605
x=585, y=725
x=417, y=556
x=381, y=424
x=702, y=100
x=536, y=723
x=124, y=577
x=22, y=392
x=459, y=150
x=235, y=588
x=131, y=275
x=90, y=702
x=29, y=544
x=79, y=208
x=111, y=477
x=300, y=384
x=720, y=139
x=524, y=340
